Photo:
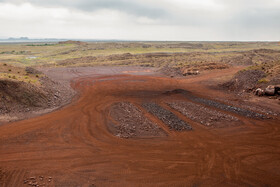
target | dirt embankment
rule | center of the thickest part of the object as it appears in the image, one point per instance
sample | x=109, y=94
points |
x=22, y=99
x=191, y=69
x=244, y=80
x=256, y=81
x=17, y=96
x=31, y=92
x=260, y=75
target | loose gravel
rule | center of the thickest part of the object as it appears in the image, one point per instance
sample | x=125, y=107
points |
x=237, y=110
x=202, y=114
x=167, y=117
x=132, y=122
x=229, y=108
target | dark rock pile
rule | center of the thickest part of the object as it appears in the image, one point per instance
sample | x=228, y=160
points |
x=167, y=117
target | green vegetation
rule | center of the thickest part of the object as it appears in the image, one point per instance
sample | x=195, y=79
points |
x=264, y=56
x=51, y=54
x=20, y=74
x=172, y=58
x=45, y=44
x=263, y=80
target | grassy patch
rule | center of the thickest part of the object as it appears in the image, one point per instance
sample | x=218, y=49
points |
x=263, y=80
x=18, y=73
x=201, y=52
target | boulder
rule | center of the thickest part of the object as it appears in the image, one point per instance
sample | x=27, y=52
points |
x=277, y=89
x=31, y=70
x=270, y=90
x=259, y=92
x=190, y=72
x=196, y=72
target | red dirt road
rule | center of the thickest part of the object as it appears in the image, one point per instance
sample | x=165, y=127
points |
x=73, y=146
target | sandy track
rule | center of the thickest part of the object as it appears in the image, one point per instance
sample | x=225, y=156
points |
x=74, y=147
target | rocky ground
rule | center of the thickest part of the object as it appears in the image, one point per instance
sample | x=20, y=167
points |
x=218, y=105
x=204, y=115
x=167, y=117
x=22, y=100
x=131, y=122
x=74, y=145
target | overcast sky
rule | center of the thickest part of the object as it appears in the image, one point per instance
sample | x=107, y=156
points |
x=243, y=20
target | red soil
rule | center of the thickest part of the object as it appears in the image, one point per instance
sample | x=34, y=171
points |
x=74, y=147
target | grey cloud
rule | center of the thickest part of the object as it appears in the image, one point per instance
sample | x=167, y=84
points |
x=233, y=17
x=259, y=18
x=128, y=6
x=249, y=12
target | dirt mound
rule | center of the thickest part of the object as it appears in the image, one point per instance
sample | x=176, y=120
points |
x=171, y=71
x=203, y=67
x=265, y=51
x=208, y=66
x=17, y=95
x=81, y=60
x=123, y=56
x=246, y=80
x=252, y=57
x=31, y=70
x=192, y=69
x=239, y=59
x=20, y=99
x=73, y=42
x=264, y=71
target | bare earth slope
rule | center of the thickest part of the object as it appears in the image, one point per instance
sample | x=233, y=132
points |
x=75, y=147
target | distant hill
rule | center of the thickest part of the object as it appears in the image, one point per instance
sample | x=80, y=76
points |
x=21, y=38
x=73, y=42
